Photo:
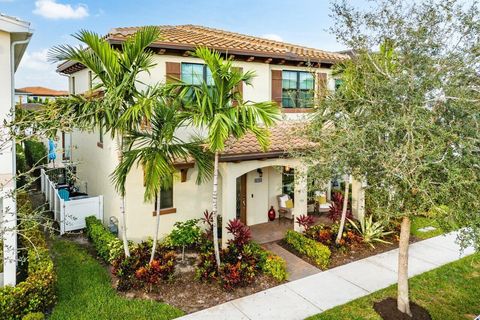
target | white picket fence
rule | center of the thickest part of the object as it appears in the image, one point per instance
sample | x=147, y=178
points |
x=70, y=214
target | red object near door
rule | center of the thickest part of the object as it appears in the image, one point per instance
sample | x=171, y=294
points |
x=271, y=214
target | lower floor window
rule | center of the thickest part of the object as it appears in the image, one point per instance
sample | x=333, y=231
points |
x=166, y=198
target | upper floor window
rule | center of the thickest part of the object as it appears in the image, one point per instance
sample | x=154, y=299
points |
x=196, y=73
x=338, y=84
x=297, y=89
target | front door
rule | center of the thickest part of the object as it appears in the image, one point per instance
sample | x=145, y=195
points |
x=242, y=198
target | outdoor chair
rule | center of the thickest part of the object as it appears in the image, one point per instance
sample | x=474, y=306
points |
x=285, y=206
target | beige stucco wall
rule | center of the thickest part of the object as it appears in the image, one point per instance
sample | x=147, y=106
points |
x=5, y=99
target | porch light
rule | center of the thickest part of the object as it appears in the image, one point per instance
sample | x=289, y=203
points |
x=260, y=173
x=287, y=168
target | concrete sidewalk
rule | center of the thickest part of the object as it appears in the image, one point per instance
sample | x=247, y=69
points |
x=311, y=295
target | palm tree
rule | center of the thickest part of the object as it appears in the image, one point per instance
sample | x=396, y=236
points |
x=156, y=148
x=117, y=70
x=220, y=108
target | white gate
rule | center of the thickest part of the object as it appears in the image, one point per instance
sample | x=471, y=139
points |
x=70, y=214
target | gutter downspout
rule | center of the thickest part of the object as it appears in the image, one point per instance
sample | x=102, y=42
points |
x=9, y=270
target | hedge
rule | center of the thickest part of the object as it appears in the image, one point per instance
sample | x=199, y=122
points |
x=37, y=292
x=269, y=263
x=35, y=153
x=108, y=246
x=314, y=250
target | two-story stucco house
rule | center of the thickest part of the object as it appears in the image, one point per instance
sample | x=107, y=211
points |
x=250, y=180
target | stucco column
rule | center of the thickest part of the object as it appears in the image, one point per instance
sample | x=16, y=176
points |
x=300, y=205
x=228, y=196
x=358, y=198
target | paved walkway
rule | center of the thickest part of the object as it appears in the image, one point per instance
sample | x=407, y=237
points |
x=297, y=268
x=311, y=295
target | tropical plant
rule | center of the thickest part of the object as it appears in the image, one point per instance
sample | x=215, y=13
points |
x=305, y=221
x=185, y=234
x=156, y=149
x=370, y=231
x=121, y=105
x=241, y=233
x=405, y=117
x=220, y=108
x=335, y=210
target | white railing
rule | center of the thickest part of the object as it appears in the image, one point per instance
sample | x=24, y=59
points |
x=70, y=214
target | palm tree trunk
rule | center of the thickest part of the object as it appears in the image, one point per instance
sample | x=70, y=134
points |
x=155, y=236
x=403, y=301
x=122, y=212
x=214, y=211
x=344, y=209
x=124, y=227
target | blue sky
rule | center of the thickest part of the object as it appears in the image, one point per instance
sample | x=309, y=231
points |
x=302, y=22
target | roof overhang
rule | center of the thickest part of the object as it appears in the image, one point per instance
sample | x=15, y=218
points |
x=19, y=30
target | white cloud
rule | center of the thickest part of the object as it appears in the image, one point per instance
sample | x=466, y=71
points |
x=36, y=70
x=51, y=9
x=272, y=36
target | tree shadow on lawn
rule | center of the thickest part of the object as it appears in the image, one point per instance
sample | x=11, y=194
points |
x=84, y=290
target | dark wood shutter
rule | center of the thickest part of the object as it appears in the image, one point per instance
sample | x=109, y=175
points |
x=277, y=86
x=239, y=87
x=173, y=71
x=321, y=85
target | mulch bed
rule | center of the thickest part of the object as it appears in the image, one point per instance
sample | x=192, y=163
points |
x=190, y=295
x=184, y=291
x=343, y=256
x=387, y=309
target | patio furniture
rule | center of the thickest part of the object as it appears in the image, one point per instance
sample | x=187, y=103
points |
x=285, y=206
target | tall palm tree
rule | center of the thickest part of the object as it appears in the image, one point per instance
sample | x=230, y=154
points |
x=156, y=148
x=117, y=70
x=220, y=108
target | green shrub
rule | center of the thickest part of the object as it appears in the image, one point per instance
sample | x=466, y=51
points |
x=268, y=262
x=34, y=316
x=276, y=267
x=108, y=246
x=316, y=251
x=37, y=292
x=35, y=153
x=185, y=234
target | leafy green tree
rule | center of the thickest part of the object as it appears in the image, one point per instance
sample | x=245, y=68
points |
x=156, y=148
x=185, y=234
x=219, y=107
x=406, y=117
x=116, y=103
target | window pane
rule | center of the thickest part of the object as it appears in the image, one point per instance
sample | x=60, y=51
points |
x=288, y=98
x=305, y=99
x=166, y=198
x=209, y=77
x=306, y=80
x=289, y=80
x=192, y=73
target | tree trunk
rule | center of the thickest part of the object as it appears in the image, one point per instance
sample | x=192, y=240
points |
x=214, y=211
x=122, y=212
x=344, y=209
x=157, y=220
x=403, y=301
x=124, y=227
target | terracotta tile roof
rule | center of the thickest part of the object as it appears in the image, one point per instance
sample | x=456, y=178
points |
x=192, y=36
x=284, y=137
x=42, y=91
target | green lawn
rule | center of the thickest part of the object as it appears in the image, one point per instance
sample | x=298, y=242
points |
x=84, y=290
x=419, y=222
x=451, y=292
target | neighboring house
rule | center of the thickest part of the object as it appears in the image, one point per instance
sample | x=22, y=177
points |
x=37, y=94
x=14, y=37
x=250, y=180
